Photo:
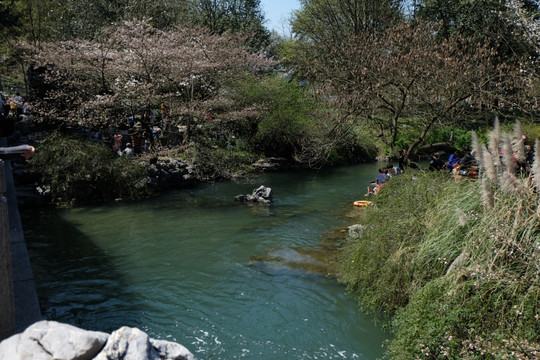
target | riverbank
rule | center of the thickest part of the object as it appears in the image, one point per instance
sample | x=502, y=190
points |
x=459, y=277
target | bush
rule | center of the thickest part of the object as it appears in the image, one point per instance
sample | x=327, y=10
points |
x=486, y=302
x=217, y=163
x=294, y=124
x=80, y=171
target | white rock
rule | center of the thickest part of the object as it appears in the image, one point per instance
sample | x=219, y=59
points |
x=128, y=343
x=171, y=351
x=50, y=340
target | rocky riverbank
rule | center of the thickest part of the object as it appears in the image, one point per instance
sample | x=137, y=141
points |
x=50, y=340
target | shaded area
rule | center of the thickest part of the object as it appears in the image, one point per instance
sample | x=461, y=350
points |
x=67, y=265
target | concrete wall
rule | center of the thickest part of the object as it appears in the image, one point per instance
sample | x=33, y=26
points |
x=19, y=307
x=7, y=304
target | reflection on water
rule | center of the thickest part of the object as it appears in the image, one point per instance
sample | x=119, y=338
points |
x=179, y=267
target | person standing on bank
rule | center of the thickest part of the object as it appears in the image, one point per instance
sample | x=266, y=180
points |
x=403, y=159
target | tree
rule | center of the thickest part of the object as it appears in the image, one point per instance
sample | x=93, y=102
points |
x=24, y=20
x=527, y=24
x=238, y=17
x=330, y=20
x=482, y=20
x=135, y=66
x=405, y=77
x=83, y=19
x=520, y=14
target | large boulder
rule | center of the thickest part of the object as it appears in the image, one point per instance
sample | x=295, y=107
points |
x=355, y=231
x=262, y=194
x=50, y=340
x=171, y=350
x=128, y=343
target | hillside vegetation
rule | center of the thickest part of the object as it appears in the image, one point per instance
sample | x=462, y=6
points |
x=456, y=263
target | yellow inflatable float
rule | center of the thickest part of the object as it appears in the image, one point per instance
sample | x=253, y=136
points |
x=362, y=203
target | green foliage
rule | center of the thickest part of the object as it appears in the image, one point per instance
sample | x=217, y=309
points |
x=219, y=163
x=331, y=20
x=289, y=117
x=239, y=17
x=461, y=278
x=531, y=130
x=461, y=138
x=80, y=171
x=397, y=225
x=487, y=307
x=355, y=146
x=296, y=125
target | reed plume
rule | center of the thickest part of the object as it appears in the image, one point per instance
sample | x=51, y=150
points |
x=494, y=142
x=535, y=170
x=497, y=125
x=487, y=194
x=508, y=156
x=511, y=184
x=476, y=148
x=489, y=164
x=519, y=143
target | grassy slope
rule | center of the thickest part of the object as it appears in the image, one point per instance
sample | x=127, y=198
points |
x=460, y=280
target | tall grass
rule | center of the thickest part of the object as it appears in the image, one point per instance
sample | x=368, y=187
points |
x=457, y=264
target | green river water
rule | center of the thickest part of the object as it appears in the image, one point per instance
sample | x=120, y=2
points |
x=180, y=268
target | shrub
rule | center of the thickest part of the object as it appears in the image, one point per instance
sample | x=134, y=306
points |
x=296, y=125
x=216, y=163
x=81, y=171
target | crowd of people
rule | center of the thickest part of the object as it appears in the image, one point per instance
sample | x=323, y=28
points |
x=139, y=134
x=12, y=105
x=459, y=164
x=384, y=174
x=11, y=108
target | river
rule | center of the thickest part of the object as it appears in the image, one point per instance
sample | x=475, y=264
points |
x=180, y=267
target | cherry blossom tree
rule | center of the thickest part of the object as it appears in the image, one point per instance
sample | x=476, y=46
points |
x=527, y=21
x=134, y=66
x=528, y=26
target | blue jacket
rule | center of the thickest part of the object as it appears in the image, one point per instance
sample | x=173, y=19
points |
x=452, y=160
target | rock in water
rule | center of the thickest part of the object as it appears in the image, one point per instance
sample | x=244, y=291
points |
x=262, y=194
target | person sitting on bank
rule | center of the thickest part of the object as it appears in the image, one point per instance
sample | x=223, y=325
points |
x=436, y=163
x=452, y=160
x=372, y=188
x=403, y=159
x=393, y=170
x=382, y=177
